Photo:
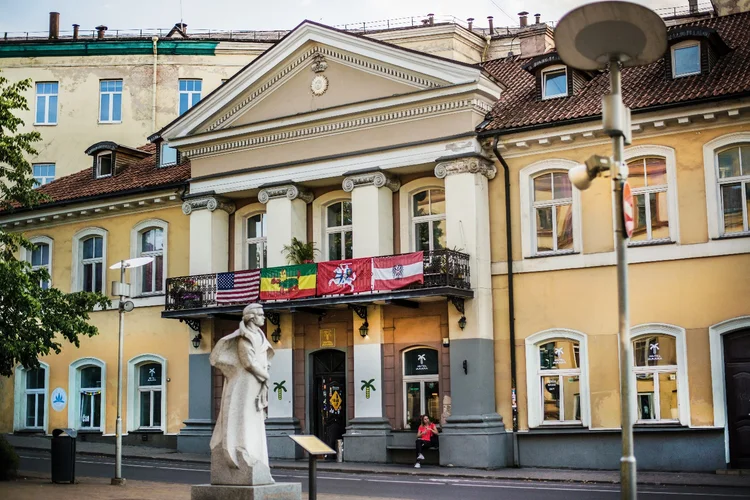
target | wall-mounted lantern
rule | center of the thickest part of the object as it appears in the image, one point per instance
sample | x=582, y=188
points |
x=276, y=335
x=197, y=340
x=462, y=322
x=364, y=329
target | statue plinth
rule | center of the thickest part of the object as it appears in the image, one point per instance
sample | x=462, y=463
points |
x=276, y=491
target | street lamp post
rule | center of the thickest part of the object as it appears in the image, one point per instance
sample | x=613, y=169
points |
x=123, y=290
x=611, y=35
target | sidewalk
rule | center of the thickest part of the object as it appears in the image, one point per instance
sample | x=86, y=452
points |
x=533, y=474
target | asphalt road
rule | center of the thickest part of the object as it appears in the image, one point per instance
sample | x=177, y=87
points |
x=381, y=485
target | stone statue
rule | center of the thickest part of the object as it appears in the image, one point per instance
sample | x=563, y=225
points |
x=239, y=452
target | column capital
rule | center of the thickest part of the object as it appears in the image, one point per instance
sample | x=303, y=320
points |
x=476, y=164
x=208, y=202
x=288, y=191
x=374, y=178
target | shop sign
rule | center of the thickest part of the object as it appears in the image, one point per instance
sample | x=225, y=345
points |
x=59, y=399
x=328, y=337
x=654, y=352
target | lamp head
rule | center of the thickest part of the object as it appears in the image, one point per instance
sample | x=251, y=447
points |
x=197, y=341
x=582, y=175
x=364, y=329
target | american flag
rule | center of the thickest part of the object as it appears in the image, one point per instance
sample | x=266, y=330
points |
x=238, y=287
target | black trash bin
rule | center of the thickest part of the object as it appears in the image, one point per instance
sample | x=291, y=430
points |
x=64, y=455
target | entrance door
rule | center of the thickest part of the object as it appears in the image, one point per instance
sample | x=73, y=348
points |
x=737, y=370
x=329, y=396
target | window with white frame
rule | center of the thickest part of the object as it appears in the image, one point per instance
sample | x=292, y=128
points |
x=104, y=164
x=44, y=173
x=733, y=166
x=92, y=263
x=686, y=59
x=46, y=103
x=167, y=155
x=648, y=180
x=35, y=397
x=190, y=94
x=428, y=219
x=110, y=101
x=554, y=83
x=89, y=398
x=421, y=379
x=552, y=205
x=149, y=398
x=660, y=375
x=255, y=241
x=40, y=257
x=151, y=244
x=338, y=229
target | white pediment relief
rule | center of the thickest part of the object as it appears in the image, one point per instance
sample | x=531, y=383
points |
x=359, y=70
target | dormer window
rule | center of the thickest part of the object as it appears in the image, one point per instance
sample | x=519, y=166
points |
x=554, y=82
x=104, y=164
x=686, y=59
x=167, y=155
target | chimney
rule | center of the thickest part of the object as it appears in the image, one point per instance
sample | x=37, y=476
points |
x=489, y=20
x=538, y=18
x=536, y=40
x=471, y=23
x=431, y=17
x=726, y=7
x=693, y=6
x=75, y=31
x=524, y=19
x=54, y=25
x=181, y=26
x=100, y=30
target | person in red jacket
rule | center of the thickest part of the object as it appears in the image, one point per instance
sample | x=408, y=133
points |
x=425, y=439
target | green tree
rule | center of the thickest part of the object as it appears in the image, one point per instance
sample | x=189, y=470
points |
x=33, y=320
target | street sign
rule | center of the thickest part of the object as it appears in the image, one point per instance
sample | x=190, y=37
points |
x=627, y=209
x=314, y=448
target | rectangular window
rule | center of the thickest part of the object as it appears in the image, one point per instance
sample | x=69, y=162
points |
x=91, y=262
x=648, y=179
x=554, y=84
x=40, y=258
x=686, y=60
x=553, y=207
x=46, y=103
x=167, y=156
x=44, y=173
x=655, y=367
x=104, y=165
x=560, y=376
x=149, y=399
x=190, y=94
x=734, y=189
x=256, y=241
x=35, y=398
x=152, y=274
x=110, y=101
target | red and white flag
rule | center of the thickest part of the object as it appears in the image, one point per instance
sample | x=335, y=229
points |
x=392, y=273
x=238, y=287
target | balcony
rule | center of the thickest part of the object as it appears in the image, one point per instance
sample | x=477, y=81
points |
x=446, y=274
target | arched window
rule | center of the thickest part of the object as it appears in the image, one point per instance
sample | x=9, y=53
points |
x=428, y=219
x=89, y=257
x=87, y=385
x=147, y=397
x=31, y=387
x=338, y=230
x=648, y=180
x=40, y=256
x=149, y=239
x=421, y=378
x=733, y=166
x=557, y=378
x=255, y=241
x=660, y=374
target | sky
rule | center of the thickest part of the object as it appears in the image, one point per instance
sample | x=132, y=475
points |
x=19, y=16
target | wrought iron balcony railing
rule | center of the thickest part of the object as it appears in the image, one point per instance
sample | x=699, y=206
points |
x=442, y=268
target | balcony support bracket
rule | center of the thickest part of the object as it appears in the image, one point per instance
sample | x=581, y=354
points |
x=458, y=303
x=194, y=324
x=273, y=317
x=360, y=310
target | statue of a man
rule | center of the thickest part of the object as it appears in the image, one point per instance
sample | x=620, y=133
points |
x=239, y=452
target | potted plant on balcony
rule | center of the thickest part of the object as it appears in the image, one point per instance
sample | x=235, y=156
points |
x=186, y=294
x=300, y=253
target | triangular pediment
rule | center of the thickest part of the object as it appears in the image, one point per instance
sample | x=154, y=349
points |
x=314, y=69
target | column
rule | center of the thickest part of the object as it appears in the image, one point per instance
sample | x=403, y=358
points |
x=366, y=436
x=209, y=253
x=286, y=218
x=474, y=434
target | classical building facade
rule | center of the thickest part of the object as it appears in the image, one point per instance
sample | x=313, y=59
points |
x=374, y=151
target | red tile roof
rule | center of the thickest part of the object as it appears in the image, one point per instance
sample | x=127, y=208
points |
x=643, y=87
x=142, y=174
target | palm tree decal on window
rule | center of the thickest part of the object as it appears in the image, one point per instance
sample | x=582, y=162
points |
x=278, y=387
x=367, y=385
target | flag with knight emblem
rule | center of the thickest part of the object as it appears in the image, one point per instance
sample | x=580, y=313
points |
x=344, y=276
x=398, y=271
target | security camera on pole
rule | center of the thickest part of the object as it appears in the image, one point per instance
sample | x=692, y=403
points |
x=123, y=290
x=593, y=37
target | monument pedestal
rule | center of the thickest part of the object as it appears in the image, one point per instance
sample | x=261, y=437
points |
x=276, y=491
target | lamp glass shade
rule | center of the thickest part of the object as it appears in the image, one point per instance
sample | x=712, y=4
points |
x=364, y=329
x=197, y=341
x=594, y=34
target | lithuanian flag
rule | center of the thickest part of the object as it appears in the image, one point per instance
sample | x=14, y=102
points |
x=288, y=282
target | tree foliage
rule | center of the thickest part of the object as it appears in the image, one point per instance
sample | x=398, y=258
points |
x=33, y=319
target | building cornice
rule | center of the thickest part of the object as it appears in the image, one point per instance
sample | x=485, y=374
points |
x=208, y=202
x=373, y=178
x=466, y=164
x=288, y=191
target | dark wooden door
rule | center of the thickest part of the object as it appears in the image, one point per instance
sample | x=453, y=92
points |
x=329, y=396
x=737, y=370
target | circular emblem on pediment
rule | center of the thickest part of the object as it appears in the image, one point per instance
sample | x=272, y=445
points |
x=319, y=85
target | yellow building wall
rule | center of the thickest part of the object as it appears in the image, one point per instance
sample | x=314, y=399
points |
x=145, y=330
x=692, y=293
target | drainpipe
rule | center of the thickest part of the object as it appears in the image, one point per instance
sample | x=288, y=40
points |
x=154, y=41
x=511, y=303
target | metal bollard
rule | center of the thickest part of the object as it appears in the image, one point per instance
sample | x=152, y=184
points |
x=339, y=450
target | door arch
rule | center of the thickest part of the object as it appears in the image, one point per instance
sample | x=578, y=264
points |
x=328, y=395
x=737, y=383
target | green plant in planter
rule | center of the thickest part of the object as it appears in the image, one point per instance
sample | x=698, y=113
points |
x=300, y=253
x=8, y=460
